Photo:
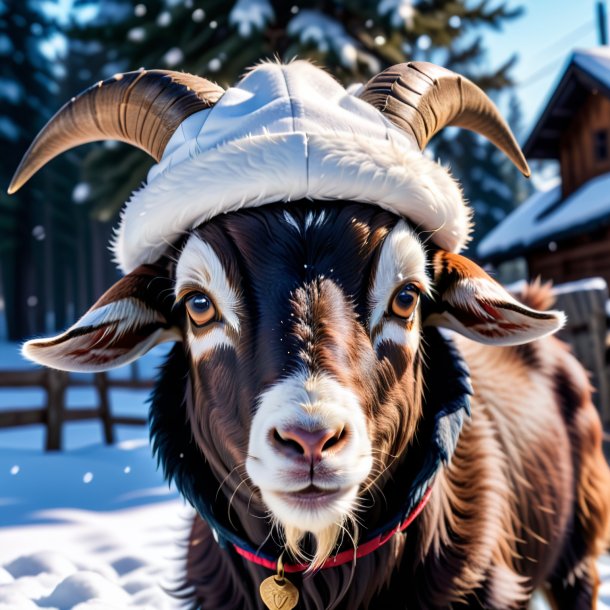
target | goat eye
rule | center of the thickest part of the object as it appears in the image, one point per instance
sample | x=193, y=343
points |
x=405, y=301
x=200, y=308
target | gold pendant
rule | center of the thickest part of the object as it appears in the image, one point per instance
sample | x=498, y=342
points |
x=277, y=592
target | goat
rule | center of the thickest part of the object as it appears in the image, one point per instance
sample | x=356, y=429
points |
x=360, y=415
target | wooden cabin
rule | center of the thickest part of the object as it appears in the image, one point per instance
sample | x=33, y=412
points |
x=563, y=233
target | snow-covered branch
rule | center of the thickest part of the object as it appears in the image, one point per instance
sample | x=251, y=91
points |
x=248, y=15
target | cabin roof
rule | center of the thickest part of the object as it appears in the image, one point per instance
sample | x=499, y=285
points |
x=587, y=71
x=546, y=217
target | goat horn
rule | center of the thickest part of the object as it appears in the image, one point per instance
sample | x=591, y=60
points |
x=142, y=108
x=422, y=98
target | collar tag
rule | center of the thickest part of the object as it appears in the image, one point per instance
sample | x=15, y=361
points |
x=277, y=592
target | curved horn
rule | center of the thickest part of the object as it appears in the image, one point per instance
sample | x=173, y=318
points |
x=142, y=108
x=422, y=98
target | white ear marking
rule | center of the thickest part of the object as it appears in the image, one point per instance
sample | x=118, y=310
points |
x=97, y=341
x=478, y=307
x=130, y=318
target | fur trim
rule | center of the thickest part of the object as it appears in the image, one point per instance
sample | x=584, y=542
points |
x=263, y=169
x=287, y=132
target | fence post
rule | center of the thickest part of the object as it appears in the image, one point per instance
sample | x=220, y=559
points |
x=101, y=383
x=55, y=382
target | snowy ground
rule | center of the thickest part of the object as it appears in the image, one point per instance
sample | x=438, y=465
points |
x=94, y=527
x=91, y=527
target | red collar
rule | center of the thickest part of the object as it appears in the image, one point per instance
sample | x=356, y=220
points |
x=345, y=556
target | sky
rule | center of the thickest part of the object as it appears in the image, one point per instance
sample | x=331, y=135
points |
x=543, y=38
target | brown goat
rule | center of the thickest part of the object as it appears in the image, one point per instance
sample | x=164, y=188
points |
x=316, y=411
x=523, y=501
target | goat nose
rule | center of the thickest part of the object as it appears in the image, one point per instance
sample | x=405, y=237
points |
x=313, y=445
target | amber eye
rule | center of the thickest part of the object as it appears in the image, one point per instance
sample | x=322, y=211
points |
x=405, y=301
x=200, y=308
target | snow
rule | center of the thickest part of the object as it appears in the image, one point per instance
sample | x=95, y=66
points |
x=401, y=12
x=11, y=90
x=62, y=557
x=424, y=42
x=214, y=64
x=6, y=46
x=594, y=61
x=38, y=233
x=164, y=19
x=198, y=15
x=92, y=527
x=249, y=15
x=136, y=34
x=81, y=192
x=491, y=183
x=113, y=540
x=455, y=21
x=529, y=225
x=173, y=57
x=313, y=27
x=590, y=283
x=93, y=559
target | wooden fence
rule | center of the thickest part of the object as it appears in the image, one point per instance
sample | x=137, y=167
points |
x=584, y=303
x=586, y=331
x=54, y=413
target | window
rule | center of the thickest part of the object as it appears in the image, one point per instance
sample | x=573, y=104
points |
x=600, y=145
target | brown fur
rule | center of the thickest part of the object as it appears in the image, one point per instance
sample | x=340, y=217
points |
x=500, y=521
x=524, y=502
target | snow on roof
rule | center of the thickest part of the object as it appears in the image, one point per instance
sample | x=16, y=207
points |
x=595, y=62
x=585, y=71
x=545, y=217
x=586, y=284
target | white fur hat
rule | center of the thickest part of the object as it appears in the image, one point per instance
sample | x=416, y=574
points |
x=286, y=132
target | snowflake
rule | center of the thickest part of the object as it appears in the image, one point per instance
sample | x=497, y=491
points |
x=214, y=64
x=38, y=233
x=401, y=12
x=312, y=27
x=424, y=42
x=164, y=19
x=11, y=90
x=6, y=46
x=198, y=15
x=81, y=192
x=9, y=129
x=136, y=34
x=173, y=57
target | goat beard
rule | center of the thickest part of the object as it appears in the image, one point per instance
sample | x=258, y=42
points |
x=326, y=540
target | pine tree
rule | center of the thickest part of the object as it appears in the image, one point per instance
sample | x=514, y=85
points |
x=55, y=231
x=352, y=38
x=28, y=219
x=46, y=242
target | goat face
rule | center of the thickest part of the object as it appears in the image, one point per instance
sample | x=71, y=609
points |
x=301, y=325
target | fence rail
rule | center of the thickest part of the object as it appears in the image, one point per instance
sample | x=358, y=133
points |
x=54, y=414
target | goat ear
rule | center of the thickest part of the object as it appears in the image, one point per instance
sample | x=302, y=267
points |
x=473, y=304
x=129, y=319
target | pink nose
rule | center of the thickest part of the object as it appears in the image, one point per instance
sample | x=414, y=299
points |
x=313, y=445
